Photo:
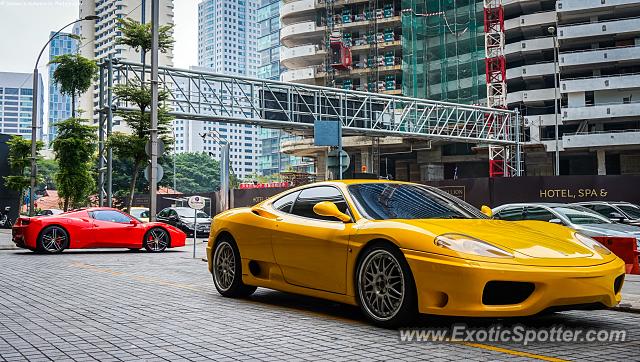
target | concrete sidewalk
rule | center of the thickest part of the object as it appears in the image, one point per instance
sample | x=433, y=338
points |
x=5, y=240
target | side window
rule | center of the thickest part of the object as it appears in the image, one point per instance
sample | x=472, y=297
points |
x=285, y=202
x=111, y=216
x=604, y=210
x=538, y=213
x=164, y=213
x=510, y=214
x=308, y=198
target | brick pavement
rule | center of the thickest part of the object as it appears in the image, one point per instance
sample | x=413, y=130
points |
x=121, y=306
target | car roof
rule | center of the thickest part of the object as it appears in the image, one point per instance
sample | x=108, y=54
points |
x=547, y=204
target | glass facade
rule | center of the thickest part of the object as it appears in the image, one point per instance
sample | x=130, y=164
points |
x=272, y=161
x=59, y=104
x=16, y=104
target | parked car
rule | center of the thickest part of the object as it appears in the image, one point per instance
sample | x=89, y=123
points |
x=577, y=217
x=183, y=218
x=140, y=213
x=96, y=227
x=624, y=212
x=396, y=249
x=48, y=212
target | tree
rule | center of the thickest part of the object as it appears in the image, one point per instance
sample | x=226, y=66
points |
x=74, y=149
x=19, y=158
x=74, y=74
x=196, y=173
x=138, y=36
x=131, y=146
x=47, y=170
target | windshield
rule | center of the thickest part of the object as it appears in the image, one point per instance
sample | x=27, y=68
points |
x=190, y=213
x=138, y=213
x=581, y=215
x=631, y=210
x=382, y=201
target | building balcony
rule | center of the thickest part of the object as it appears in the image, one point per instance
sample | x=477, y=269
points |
x=528, y=46
x=622, y=81
x=601, y=139
x=603, y=28
x=389, y=22
x=304, y=75
x=568, y=6
x=604, y=111
x=294, y=11
x=529, y=20
x=301, y=34
x=541, y=120
x=531, y=96
x=531, y=71
x=302, y=56
x=607, y=55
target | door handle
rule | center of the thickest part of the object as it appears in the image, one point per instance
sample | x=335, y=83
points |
x=279, y=219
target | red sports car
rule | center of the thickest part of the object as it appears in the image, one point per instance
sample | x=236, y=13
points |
x=96, y=227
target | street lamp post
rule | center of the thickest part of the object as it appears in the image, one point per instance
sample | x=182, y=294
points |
x=34, y=113
x=552, y=31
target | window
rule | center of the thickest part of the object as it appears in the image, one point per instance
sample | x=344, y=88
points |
x=308, y=198
x=111, y=216
x=285, y=202
x=605, y=210
x=164, y=213
x=510, y=214
x=538, y=213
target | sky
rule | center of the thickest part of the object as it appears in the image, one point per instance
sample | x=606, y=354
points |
x=25, y=26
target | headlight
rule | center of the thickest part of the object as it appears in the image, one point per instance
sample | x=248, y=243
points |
x=592, y=244
x=189, y=225
x=469, y=245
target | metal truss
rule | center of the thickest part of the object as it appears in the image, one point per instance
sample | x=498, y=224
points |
x=206, y=96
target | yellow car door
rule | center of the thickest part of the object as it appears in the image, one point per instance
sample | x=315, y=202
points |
x=310, y=249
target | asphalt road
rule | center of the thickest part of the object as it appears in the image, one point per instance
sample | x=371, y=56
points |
x=120, y=305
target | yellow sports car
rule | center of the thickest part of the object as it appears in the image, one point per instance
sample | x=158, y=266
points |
x=397, y=249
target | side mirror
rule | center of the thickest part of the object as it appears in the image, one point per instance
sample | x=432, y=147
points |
x=134, y=222
x=486, y=210
x=556, y=221
x=616, y=216
x=328, y=208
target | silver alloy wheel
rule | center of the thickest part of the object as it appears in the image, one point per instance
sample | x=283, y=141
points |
x=54, y=239
x=381, y=285
x=157, y=239
x=224, y=265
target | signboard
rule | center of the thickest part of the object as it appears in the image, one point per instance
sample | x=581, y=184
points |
x=159, y=173
x=264, y=185
x=326, y=133
x=196, y=202
x=332, y=160
x=147, y=148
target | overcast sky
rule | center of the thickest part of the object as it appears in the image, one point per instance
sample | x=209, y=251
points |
x=25, y=26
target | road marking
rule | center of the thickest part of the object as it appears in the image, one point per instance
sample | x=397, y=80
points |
x=513, y=352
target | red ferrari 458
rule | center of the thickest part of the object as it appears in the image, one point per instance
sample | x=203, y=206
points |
x=96, y=227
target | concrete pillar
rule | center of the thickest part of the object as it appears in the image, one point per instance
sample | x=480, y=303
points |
x=365, y=160
x=321, y=166
x=602, y=168
x=431, y=172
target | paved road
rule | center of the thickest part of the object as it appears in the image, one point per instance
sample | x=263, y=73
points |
x=120, y=305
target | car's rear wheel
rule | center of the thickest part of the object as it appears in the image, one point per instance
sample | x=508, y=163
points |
x=156, y=240
x=385, y=287
x=53, y=239
x=227, y=270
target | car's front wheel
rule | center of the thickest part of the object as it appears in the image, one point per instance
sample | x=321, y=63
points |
x=227, y=270
x=385, y=287
x=156, y=240
x=53, y=239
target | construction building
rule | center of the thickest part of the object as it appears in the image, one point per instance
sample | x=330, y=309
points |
x=579, y=54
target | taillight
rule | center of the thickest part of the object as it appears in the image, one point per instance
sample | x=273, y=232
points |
x=23, y=221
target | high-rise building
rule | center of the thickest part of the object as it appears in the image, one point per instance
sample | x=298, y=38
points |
x=59, y=104
x=272, y=161
x=99, y=37
x=16, y=104
x=227, y=40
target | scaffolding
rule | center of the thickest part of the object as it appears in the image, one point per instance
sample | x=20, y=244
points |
x=443, y=50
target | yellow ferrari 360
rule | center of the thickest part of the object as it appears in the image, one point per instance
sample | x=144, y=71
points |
x=397, y=249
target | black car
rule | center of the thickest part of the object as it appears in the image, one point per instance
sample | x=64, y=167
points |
x=622, y=212
x=184, y=219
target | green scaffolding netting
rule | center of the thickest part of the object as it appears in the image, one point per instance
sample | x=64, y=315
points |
x=443, y=50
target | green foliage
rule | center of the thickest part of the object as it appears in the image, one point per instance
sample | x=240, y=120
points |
x=138, y=36
x=74, y=74
x=47, y=169
x=195, y=173
x=19, y=158
x=74, y=149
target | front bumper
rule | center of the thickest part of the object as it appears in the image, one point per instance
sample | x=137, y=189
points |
x=454, y=286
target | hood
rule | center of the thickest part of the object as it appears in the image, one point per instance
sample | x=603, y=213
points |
x=614, y=229
x=533, y=239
